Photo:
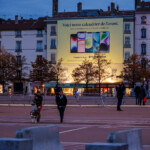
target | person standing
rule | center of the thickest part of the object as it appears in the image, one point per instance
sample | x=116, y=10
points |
x=120, y=97
x=137, y=94
x=61, y=101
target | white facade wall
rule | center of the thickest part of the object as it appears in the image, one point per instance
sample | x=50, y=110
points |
x=28, y=44
x=138, y=39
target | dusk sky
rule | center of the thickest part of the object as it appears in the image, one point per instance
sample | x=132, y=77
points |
x=36, y=8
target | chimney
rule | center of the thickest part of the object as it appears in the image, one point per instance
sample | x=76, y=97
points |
x=108, y=8
x=117, y=7
x=55, y=8
x=16, y=19
x=79, y=7
x=112, y=7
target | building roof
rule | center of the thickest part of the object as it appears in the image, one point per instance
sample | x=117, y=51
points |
x=23, y=24
x=145, y=6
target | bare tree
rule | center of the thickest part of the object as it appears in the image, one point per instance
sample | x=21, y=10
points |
x=42, y=70
x=7, y=67
x=131, y=70
x=85, y=72
x=59, y=71
x=102, y=65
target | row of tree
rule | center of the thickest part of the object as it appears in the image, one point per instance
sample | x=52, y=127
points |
x=136, y=69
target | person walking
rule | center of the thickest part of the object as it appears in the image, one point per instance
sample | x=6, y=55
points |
x=120, y=97
x=142, y=94
x=137, y=94
x=61, y=101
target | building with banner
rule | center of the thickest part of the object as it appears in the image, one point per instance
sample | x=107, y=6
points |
x=71, y=35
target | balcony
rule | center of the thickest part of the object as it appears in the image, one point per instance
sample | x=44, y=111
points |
x=18, y=50
x=39, y=35
x=53, y=47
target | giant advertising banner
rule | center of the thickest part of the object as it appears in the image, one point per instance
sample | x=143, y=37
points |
x=80, y=39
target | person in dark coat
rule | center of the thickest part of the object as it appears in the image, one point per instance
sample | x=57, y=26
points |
x=137, y=94
x=142, y=94
x=120, y=93
x=57, y=89
x=61, y=101
x=38, y=100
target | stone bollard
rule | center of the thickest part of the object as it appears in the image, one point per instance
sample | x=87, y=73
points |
x=15, y=144
x=44, y=137
x=106, y=146
x=131, y=137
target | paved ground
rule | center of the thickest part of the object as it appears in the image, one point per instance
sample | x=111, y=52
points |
x=82, y=123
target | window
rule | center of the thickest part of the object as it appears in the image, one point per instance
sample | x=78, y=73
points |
x=39, y=57
x=18, y=60
x=18, y=33
x=18, y=73
x=127, y=55
x=143, y=49
x=127, y=42
x=53, y=44
x=53, y=58
x=143, y=33
x=39, y=33
x=127, y=28
x=39, y=46
x=18, y=46
x=0, y=44
x=143, y=20
x=53, y=30
x=143, y=63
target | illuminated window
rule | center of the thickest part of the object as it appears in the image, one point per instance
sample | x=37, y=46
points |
x=143, y=20
x=143, y=33
x=39, y=45
x=143, y=49
x=18, y=46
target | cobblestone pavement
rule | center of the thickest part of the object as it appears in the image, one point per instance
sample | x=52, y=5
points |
x=83, y=123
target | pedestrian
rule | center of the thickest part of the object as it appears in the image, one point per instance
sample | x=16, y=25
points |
x=75, y=90
x=120, y=97
x=137, y=94
x=61, y=101
x=38, y=100
x=142, y=94
x=57, y=89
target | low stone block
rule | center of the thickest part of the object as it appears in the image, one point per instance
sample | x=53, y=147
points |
x=132, y=137
x=44, y=137
x=106, y=146
x=15, y=144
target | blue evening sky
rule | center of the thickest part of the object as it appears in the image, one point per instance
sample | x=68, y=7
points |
x=36, y=8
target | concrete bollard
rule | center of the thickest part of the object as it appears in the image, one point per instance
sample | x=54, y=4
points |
x=131, y=137
x=106, y=146
x=44, y=137
x=15, y=144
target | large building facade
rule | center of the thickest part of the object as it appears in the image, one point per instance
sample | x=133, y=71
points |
x=23, y=38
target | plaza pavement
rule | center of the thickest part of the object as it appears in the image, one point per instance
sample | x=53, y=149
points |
x=85, y=121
